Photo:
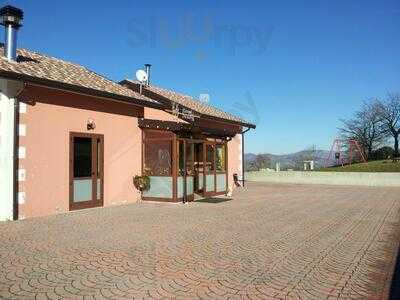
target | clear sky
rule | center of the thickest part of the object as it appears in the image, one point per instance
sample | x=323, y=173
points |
x=293, y=67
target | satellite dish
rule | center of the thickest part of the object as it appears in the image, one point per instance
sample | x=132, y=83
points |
x=141, y=75
x=205, y=98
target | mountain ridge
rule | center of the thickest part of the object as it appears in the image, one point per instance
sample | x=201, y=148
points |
x=292, y=160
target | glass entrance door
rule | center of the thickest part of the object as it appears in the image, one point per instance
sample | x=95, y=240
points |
x=198, y=166
x=189, y=157
x=86, y=170
x=209, y=169
x=186, y=174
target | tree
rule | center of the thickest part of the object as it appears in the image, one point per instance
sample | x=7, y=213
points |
x=384, y=152
x=262, y=161
x=308, y=154
x=250, y=165
x=389, y=113
x=364, y=127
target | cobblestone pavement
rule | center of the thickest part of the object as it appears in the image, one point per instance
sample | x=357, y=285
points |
x=271, y=241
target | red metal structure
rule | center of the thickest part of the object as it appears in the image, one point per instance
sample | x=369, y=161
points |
x=345, y=152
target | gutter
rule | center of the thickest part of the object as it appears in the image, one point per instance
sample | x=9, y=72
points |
x=221, y=120
x=77, y=89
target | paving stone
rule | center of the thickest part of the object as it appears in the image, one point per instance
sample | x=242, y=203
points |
x=272, y=241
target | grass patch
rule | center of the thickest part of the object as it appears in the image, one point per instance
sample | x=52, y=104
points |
x=371, y=166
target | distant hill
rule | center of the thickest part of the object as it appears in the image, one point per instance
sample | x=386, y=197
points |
x=293, y=160
x=371, y=166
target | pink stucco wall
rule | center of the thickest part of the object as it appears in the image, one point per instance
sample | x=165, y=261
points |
x=156, y=114
x=49, y=122
x=50, y=117
x=234, y=159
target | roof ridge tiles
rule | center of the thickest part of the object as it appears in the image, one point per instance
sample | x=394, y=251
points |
x=218, y=112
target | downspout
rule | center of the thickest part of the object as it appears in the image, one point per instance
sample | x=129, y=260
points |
x=16, y=155
x=243, y=132
x=184, y=200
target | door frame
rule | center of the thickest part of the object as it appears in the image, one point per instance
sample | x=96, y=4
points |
x=186, y=142
x=225, y=145
x=201, y=143
x=214, y=192
x=94, y=202
x=205, y=192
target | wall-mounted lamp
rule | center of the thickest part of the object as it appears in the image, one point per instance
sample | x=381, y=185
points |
x=91, y=125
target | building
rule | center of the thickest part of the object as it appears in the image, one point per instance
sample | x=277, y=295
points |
x=73, y=139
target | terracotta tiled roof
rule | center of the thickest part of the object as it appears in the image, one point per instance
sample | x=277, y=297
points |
x=192, y=103
x=49, y=69
x=38, y=68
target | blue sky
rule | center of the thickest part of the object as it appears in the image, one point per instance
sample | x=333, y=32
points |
x=294, y=67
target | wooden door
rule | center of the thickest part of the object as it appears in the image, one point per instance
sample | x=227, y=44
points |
x=198, y=168
x=86, y=170
x=209, y=169
x=189, y=179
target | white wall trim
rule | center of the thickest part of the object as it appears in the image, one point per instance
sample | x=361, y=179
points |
x=21, y=152
x=22, y=129
x=8, y=90
x=21, y=174
x=22, y=108
x=21, y=197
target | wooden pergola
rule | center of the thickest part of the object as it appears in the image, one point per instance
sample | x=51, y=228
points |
x=183, y=159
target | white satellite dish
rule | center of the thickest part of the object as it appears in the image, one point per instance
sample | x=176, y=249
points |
x=205, y=98
x=141, y=76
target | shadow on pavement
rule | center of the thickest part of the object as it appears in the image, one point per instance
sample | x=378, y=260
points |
x=214, y=200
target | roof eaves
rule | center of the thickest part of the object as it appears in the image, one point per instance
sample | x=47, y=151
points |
x=77, y=89
x=207, y=116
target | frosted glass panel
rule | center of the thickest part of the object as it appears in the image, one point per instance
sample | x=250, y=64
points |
x=160, y=187
x=221, y=182
x=200, y=180
x=99, y=188
x=180, y=187
x=210, y=183
x=82, y=190
x=189, y=186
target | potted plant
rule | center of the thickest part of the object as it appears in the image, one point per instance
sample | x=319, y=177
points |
x=141, y=182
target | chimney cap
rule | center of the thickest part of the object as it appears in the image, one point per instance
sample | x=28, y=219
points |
x=10, y=15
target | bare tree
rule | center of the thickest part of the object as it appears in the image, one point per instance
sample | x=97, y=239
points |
x=308, y=154
x=365, y=127
x=389, y=112
x=262, y=161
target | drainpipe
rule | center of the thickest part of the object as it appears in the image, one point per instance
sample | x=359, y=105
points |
x=184, y=200
x=16, y=154
x=243, y=132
